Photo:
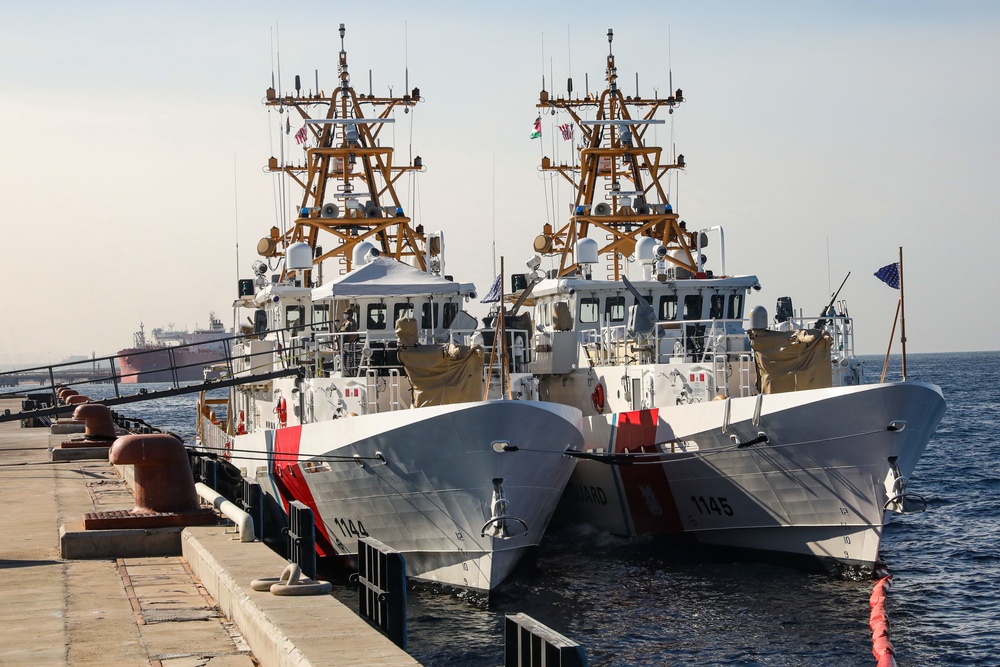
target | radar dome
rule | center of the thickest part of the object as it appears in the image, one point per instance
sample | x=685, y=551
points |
x=586, y=251
x=298, y=256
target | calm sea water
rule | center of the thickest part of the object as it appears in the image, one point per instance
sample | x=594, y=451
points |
x=644, y=603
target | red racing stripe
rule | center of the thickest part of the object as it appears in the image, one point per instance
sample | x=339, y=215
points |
x=646, y=486
x=290, y=480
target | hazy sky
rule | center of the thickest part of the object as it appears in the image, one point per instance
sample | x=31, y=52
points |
x=822, y=136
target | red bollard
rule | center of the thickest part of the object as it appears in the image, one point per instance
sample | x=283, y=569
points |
x=99, y=426
x=163, y=479
x=165, y=495
x=100, y=423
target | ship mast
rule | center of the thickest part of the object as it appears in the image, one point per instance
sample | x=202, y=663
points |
x=348, y=179
x=617, y=180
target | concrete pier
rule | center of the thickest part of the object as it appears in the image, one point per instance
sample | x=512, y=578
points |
x=189, y=604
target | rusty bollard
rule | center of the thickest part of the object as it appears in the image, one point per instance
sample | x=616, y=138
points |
x=69, y=396
x=100, y=423
x=163, y=479
x=99, y=429
x=165, y=495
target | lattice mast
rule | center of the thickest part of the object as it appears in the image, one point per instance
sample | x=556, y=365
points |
x=348, y=179
x=618, y=179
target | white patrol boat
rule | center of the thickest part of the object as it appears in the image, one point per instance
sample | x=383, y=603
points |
x=387, y=430
x=698, y=420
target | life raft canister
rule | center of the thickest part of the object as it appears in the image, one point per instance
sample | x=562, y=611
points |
x=597, y=398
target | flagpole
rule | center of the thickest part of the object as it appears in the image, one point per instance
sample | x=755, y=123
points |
x=902, y=313
x=892, y=334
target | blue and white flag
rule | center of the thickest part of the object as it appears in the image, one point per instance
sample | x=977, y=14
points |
x=493, y=296
x=889, y=274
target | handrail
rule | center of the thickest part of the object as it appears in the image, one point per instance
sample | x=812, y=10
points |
x=609, y=341
x=242, y=520
x=108, y=369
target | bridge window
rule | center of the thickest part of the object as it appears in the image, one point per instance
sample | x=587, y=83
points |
x=450, y=311
x=426, y=321
x=717, y=306
x=614, y=308
x=295, y=318
x=736, y=307
x=401, y=310
x=544, y=314
x=562, y=316
x=321, y=318
x=668, y=308
x=376, y=316
x=590, y=307
x=692, y=307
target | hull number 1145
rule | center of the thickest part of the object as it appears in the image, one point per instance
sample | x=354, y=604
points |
x=712, y=505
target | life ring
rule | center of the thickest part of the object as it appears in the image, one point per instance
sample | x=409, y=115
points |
x=241, y=428
x=597, y=398
x=227, y=450
x=282, y=411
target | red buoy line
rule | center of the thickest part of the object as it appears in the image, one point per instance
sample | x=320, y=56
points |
x=878, y=621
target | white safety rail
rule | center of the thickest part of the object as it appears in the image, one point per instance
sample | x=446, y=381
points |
x=242, y=520
x=694, y=340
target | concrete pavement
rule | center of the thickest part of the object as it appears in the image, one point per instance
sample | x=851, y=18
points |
x=187, y=609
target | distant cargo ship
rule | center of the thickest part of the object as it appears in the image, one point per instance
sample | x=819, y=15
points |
x=169, y=355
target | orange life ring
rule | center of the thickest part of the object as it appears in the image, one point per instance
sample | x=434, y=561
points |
x=282, y=411
x=597, y=398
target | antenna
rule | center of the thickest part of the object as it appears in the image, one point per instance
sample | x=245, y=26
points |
x=543, y=61
x=552, y=77
x=670, y=60
x=829, y=285
x=494, y=214
x=283, y=213
x=277, y=54
x=569, y=60
x=272, y=58
x=236, y=216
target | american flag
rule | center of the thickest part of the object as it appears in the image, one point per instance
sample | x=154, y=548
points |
x=889, y=274
x=567, y=131
x=300, y=136
x=493, y=295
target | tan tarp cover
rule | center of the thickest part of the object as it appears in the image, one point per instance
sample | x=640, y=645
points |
x=562, y=319
x=406, y=332
x=445, y=374
x=791, y=360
